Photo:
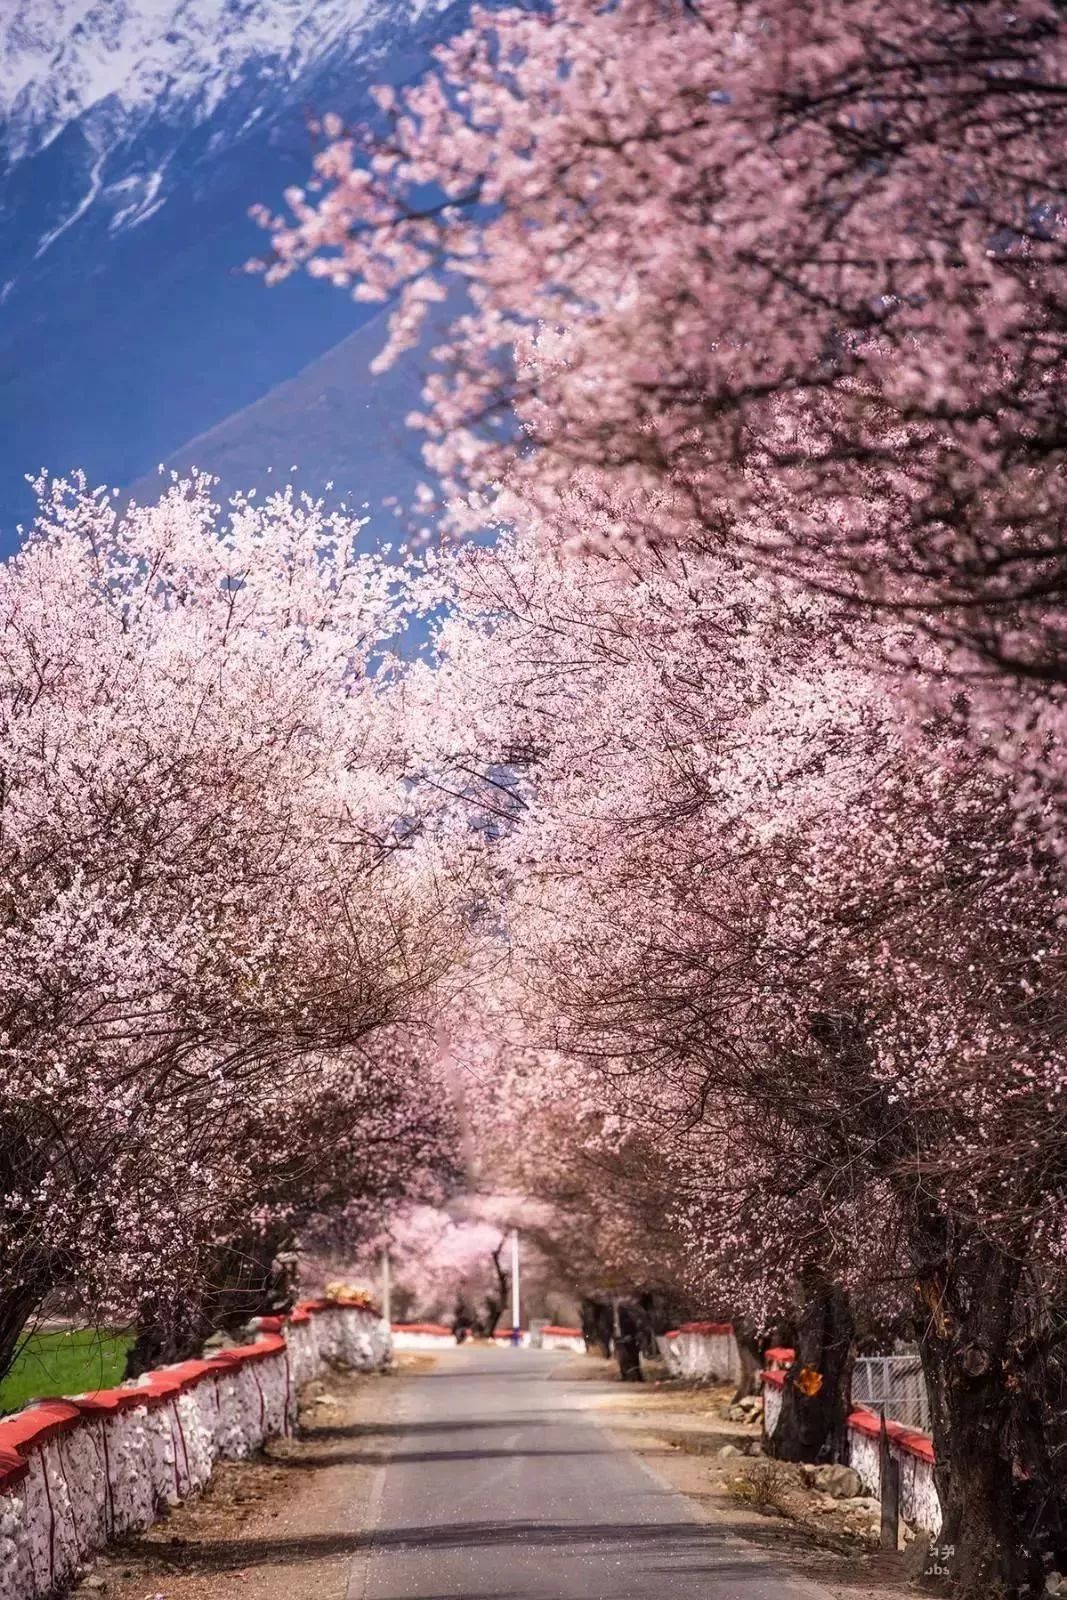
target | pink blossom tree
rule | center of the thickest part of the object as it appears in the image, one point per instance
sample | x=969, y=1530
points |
x=310, y=1158
x=792, y=285
x=217, y=892
x=765, y=925
x=443, y=1261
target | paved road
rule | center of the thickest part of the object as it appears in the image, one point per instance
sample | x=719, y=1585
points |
x=499, y=1487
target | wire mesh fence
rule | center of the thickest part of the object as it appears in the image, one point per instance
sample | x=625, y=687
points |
x=894, y=1387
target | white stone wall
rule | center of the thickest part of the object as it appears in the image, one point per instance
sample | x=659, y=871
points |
x=302, y=1344
x=106, y=1468
x=361, y=1344
x=132, y=1499
x=863, y=1454
x=16, y=1572
x=422, y=1336
x=694, y=1352
x=668, y=1354
x=772, y=1407
x=563, y=1341
x=919, y=1505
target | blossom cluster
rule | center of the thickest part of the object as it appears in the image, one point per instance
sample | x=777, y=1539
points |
x=782, y=278
x=221, y=923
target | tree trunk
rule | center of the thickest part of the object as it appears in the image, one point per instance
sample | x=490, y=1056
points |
x=628, y=1346
x=751, y=1362
x=1037, y=1378
x=494, y=1304
x=597, y=1326
x=966, y=1345
x=16, y=1307
x=254, y=1276
x=816, y=1398
x=648, y=1317
x=628, y=1352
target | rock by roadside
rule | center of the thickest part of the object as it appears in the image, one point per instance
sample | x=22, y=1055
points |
x=748, y=1409
x=826, y=1501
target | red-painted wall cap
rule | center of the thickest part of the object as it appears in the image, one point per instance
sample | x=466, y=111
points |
x=907, y=1439
x=39, y=1423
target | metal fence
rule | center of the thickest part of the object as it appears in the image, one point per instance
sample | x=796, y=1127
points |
x=893, y=1386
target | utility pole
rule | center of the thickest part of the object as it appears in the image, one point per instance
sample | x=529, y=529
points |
x=387, y=1288
x=516, y=1323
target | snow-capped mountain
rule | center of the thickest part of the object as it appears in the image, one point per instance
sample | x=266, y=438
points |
x=134, y=136
x=64, y=58
x=116, y=67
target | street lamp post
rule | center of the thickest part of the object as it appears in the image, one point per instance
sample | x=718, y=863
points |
x=387, y=1289
x=516, y=1323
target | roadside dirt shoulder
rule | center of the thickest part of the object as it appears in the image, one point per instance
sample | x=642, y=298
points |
x=285, y=1524
x=679, y=1430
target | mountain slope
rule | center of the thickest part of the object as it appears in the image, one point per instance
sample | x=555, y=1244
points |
x=335, y=422
x=135, y=135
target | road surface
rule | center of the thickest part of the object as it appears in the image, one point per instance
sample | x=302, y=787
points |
x=498, y=1486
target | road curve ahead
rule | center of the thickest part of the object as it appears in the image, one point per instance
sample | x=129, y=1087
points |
x=499, y=1487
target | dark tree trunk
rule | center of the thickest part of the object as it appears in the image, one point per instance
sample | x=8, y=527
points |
x=628, y=1352
x=251, y=1277
x=978, y=1408
x=597, y=1326
x=17, y=1306
x=816, y=1397
x=165, y=1333
x=652, y=1321
x=751, y=1357
x=628, y=1346
x=1037, y=1377
x=495, y=1303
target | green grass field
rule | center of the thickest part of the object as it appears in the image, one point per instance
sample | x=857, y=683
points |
x=66, y=1362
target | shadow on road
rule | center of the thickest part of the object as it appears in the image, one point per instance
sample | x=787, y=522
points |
x=679, y=1539
x=384, y=1458
x=403, y=1430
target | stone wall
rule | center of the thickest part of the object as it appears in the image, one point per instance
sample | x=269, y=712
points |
x=554, y=1337
x=914, y=1455
x=702, y=1350
x=75, y=1473
x=913, y=1451
x=707, y=1351
x=421, y=1335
